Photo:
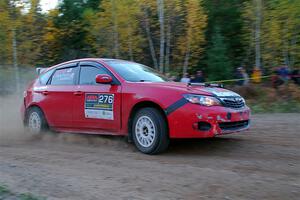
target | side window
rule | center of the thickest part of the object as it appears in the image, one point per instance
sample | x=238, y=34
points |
x=65, y=76
x=45, y=77
x=88, y=75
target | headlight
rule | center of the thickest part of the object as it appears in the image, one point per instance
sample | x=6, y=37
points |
x=202, y=100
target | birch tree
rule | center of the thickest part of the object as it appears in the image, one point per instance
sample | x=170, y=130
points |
x=149, y=35
x=281, y=30
x=13, y=13
x=31, y=33
x=258, y=19
x=173, y=16
x=275, y=41
x=161, y=17
x=116, y=28
x=193, y=38
x=5, y=33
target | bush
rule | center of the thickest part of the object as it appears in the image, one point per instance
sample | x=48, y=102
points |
x=261, y=99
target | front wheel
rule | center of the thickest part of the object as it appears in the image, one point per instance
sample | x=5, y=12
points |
x=149, y=131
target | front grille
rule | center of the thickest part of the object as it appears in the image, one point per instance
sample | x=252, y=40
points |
x=233, y=102
x=226, y=126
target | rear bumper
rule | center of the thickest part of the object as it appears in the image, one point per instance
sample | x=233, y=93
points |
x=195, y=121
x=23, y=111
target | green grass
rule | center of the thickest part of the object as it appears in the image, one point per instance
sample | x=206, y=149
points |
x=3, y=190
x=5, y=193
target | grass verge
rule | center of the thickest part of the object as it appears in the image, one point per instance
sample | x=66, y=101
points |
x=5, y=193
x=262, y=99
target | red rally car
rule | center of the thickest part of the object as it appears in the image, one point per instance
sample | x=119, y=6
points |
x=110, y=96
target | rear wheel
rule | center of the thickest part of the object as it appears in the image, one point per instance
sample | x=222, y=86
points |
x=36, y=122
x=149, y=131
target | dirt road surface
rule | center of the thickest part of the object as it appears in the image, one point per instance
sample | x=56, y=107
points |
x=263, y=163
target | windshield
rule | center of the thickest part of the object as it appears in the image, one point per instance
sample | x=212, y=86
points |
x=135, y=72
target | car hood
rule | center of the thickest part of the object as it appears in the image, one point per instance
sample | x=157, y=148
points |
x=202, y=90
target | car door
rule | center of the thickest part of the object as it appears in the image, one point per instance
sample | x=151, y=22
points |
x=97, y=106
x=58, y=95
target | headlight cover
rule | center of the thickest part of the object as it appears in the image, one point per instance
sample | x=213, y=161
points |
x=202, y=100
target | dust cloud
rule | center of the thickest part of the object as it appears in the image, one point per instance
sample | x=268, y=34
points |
x=12, y=129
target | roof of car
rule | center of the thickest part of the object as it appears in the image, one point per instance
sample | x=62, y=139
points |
x=85, y=59
x=95, y=59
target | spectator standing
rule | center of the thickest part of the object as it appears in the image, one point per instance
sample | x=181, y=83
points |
x=199, y=78
x=173, y=78
x=245, y=77
x=256, y=75
x=284, y=73
x=168, y=75
x=193, y=79
x=276, y=80
x=185, y=78
x=239, y=75
x=296, y=76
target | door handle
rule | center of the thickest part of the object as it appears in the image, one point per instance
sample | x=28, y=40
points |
x=78, y=93
x=45, y=92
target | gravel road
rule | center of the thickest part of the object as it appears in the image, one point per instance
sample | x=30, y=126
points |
x=263, y=163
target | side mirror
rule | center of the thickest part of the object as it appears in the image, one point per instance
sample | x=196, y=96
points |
x=103, y=79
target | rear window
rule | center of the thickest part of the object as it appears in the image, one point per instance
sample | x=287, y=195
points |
x=65, y=76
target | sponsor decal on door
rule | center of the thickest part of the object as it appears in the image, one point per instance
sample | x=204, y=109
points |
x=99, y=106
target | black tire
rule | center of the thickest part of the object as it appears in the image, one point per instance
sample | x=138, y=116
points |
x=40, y=120
x=152, y=118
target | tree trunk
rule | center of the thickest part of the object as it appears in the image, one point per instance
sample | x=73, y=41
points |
x=292, y=53
x=160, y=7
x=115, y=29
x=258, y=4
x=130, y=43
x=15, y=60
x=186, y=59
x=130, y=49
x=285, y=52
x=149, y=37
x=168, y=46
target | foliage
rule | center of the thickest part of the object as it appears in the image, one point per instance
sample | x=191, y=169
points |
x=279, y=32
x=191, y=34
x=30, y=35
x=227, y=16
x=5, y=51
x=115, y=28
x=190, y=44
x=218, y=64
x=72, y=29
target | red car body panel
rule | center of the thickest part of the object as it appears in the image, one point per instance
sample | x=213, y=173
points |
x=63, y=106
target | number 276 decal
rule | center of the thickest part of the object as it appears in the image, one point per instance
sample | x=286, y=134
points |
x=103, y=98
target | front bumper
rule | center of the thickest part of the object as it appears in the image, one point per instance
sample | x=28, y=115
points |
x=195, y=121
